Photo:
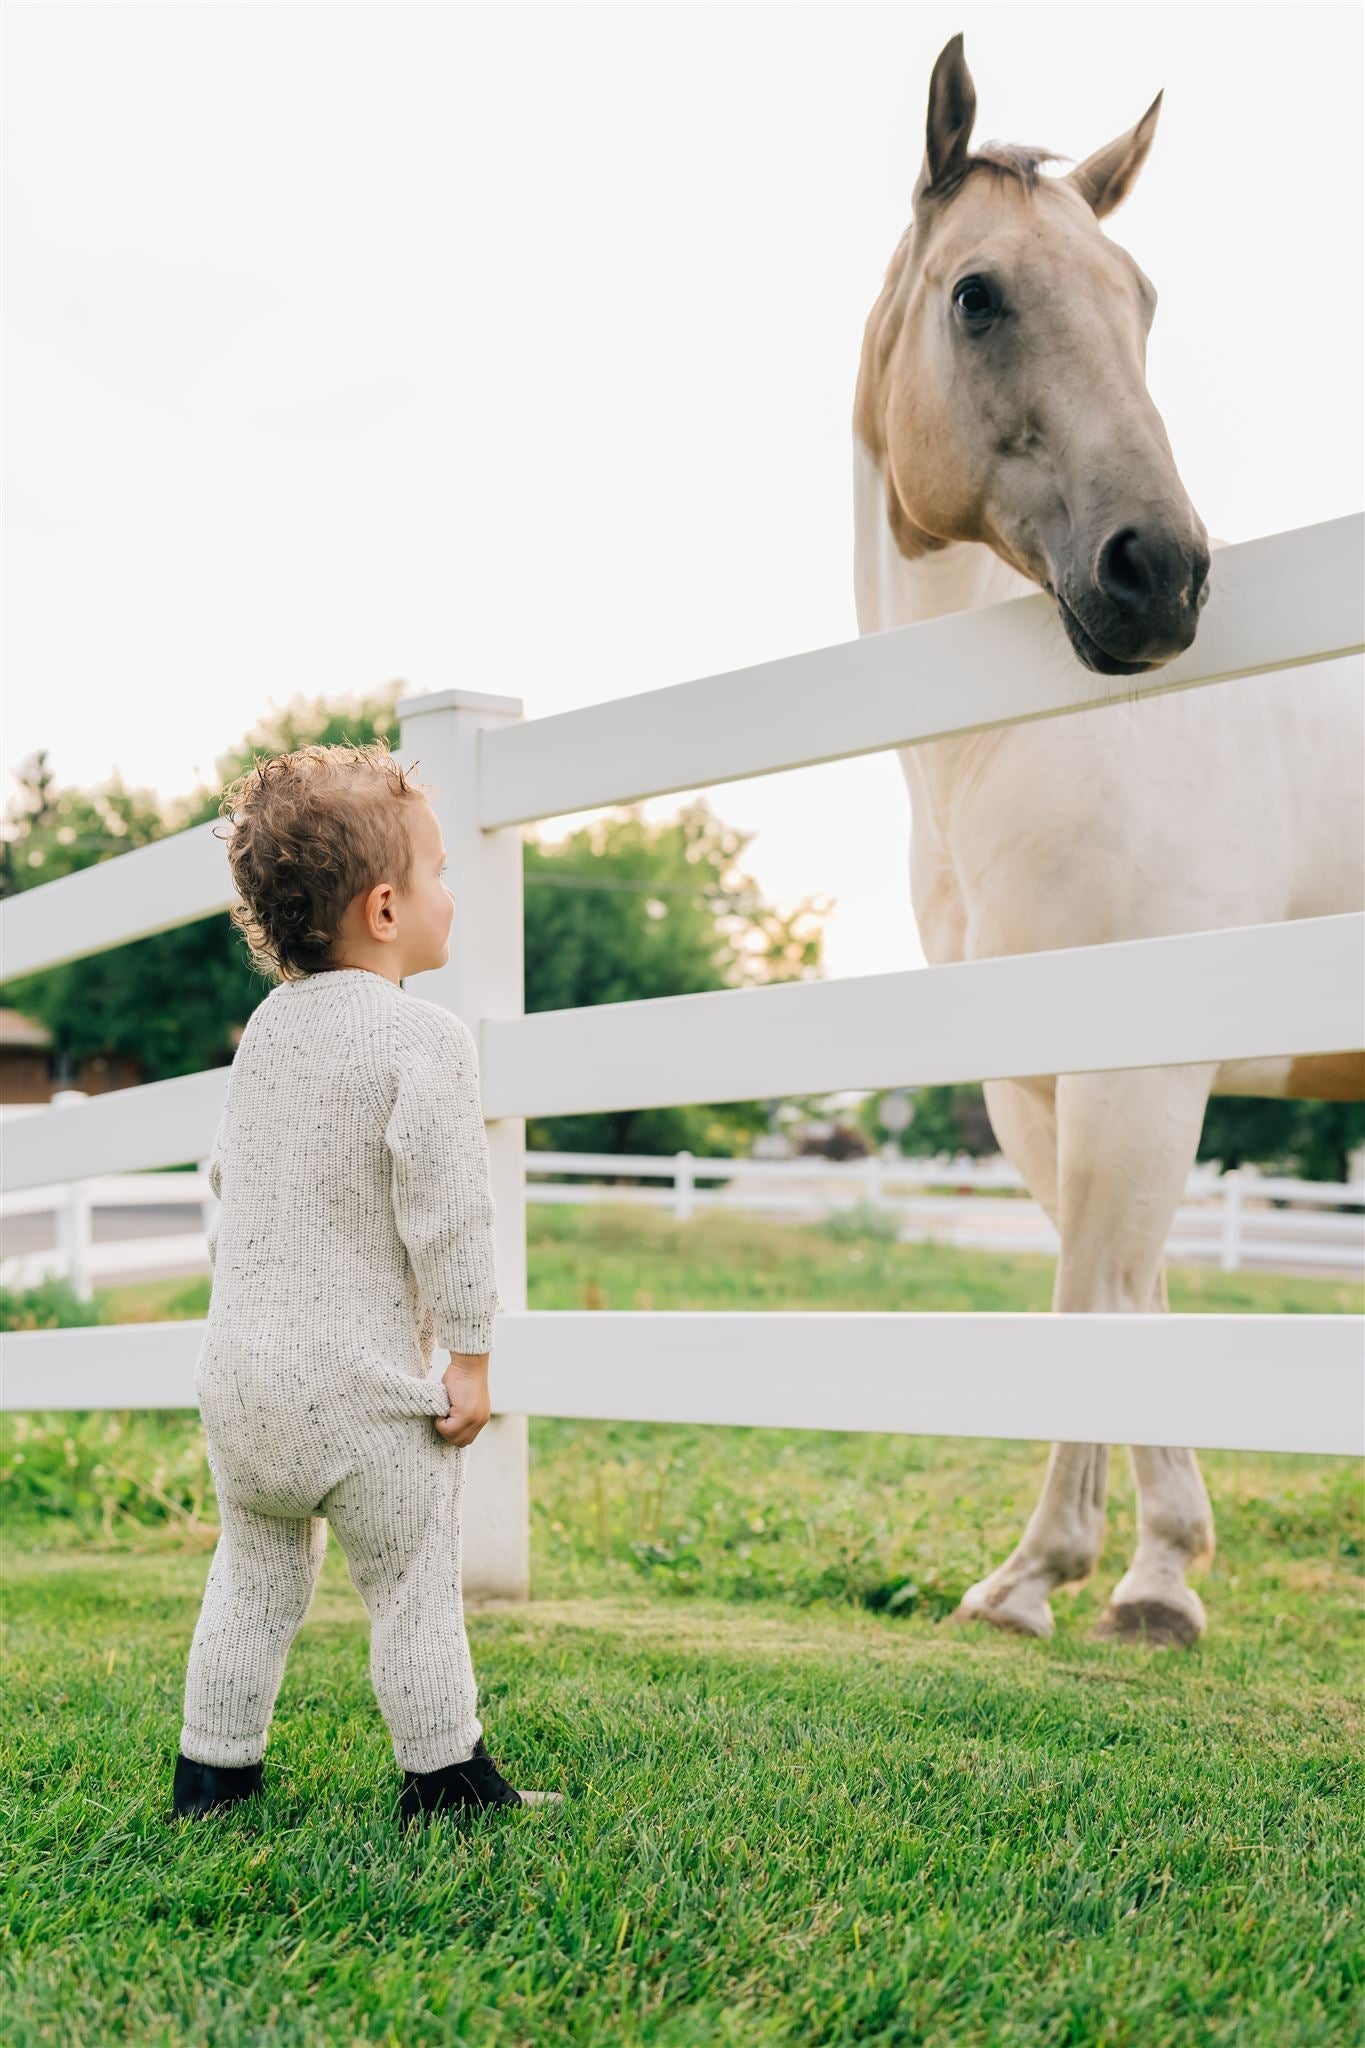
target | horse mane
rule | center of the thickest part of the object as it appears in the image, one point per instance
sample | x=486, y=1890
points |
x=1019, y=160
x=1000, y=160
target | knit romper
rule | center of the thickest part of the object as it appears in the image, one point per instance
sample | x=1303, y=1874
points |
x=354, y=1231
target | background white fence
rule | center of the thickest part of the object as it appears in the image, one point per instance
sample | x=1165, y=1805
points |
x=1226, y=1217
x=1229, y=1219
x=1254, y=1382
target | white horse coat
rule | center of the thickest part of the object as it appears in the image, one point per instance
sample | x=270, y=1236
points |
x=1239, y=803
x=1004, y=440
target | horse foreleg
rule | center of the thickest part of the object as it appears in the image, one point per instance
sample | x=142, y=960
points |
x=1065, y=1533
x=1060, y=1545
x=1123, y=1147
x=1151, y=1602
x=1126, y=1143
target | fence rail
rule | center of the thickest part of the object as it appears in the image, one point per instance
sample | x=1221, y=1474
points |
x=1282, y=989
x=1246, y=993
x=1286, y=598
x=1214, y=1222
x=1253, y=1383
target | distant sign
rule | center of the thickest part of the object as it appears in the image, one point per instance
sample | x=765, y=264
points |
x=897, y=1112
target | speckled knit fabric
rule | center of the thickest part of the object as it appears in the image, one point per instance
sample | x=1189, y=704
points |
x=354, y=1232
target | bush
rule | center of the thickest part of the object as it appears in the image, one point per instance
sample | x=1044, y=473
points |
x=52, y=1305
x=862, y=1219
x=108, y=1476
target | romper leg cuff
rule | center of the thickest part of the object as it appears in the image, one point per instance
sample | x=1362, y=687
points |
x=434, y=1752
x=225, y=1752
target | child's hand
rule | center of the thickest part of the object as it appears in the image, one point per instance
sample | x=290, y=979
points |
x=466, y=1381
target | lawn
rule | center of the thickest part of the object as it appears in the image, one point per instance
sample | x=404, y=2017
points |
x=801, y=1806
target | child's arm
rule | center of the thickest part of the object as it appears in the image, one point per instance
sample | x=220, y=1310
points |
x=439, y=1178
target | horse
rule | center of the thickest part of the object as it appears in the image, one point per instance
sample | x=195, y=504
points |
x=1004, y=440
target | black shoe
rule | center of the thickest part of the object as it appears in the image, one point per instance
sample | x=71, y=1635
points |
x=204, y=1788
x=463, y=1787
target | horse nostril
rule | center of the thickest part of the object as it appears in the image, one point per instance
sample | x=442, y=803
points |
x=1145, y=572
x=1120, y=571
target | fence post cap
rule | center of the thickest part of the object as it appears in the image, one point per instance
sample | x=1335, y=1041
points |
x=457, y=699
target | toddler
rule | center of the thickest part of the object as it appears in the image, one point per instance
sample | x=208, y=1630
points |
x=354, y=1229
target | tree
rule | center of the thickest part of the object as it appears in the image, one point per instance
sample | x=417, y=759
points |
x=622, y=910
x=173, y=1001
x=946, y=1119
x=619, y=910
x=1310, y=1140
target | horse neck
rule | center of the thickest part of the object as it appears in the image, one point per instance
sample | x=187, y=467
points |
x=891, y=590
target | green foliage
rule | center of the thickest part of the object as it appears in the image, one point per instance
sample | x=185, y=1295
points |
x=618, y=911
x=52, y=1304
x=176, y=1001
x=1308, y=1140
x=950, y=1119
x=623, y=910
x=616, y=1516
x=102, y=1475
x=861, y=1220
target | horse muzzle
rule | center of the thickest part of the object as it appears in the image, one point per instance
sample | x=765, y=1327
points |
x=1139, y=607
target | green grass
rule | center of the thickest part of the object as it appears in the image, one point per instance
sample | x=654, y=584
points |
x=617, y=1256
x=802, y=1808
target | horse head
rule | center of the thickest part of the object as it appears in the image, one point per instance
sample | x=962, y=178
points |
x=1003, y=386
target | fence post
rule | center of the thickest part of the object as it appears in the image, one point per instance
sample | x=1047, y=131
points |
x=73, y=1236
x=682, y=1187
x=71, y=1224
x=1231, y=1256
x=439, y=735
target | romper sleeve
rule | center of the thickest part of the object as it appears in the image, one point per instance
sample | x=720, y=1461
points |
x=215, y=1176
x=439, y=1178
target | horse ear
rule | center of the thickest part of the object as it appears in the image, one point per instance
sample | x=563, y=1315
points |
x=952, y=111
x=1105, y=179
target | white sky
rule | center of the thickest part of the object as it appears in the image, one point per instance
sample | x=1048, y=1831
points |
x=516, y=346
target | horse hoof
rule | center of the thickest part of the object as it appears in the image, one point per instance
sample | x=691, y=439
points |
x=1157, y=1623
x=1010, y=1621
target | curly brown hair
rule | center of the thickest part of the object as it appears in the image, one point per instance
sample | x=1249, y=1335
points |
x=311, y=830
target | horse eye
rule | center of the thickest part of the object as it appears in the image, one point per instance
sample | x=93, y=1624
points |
x=974, y=299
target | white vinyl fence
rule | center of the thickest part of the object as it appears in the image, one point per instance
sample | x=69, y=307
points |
x=1226, y=1217
x=1289, y=1383
x=1233, y=1219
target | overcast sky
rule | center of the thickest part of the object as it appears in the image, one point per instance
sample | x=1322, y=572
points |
x=516, y=346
